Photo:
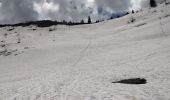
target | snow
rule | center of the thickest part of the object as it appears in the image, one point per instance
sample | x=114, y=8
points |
x=81, y=62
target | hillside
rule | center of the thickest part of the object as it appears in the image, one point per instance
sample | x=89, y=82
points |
x=81, y=62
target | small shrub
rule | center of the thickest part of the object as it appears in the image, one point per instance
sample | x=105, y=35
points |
x=132, y=20
x=19, y=39
x=33, y=29
x=10, y=29
x=4, y=47
x=5, y=35
x=167, y=15
x=50, y=29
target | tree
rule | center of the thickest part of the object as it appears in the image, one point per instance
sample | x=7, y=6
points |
x=97, y=21
x=64, y=22
x=82, y=21
x=127, y=13
x=133, y=11
x=89, y=20
x=166, y=2
x=19, y=39
x=111, y=17
x=153, y=3
x=70, y=23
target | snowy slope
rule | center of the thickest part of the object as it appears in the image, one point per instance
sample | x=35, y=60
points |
x=81, y=62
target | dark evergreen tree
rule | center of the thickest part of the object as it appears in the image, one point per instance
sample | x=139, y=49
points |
x=64, y=22
x=127, y=13
x=133, y=11
x=111, y=17
x=153, y=3
x=166, y=2
x=97, y=21
x=70, y=23
x=89, y=20
x=82, y=21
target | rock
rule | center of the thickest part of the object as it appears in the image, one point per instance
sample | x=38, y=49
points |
x=132, y=81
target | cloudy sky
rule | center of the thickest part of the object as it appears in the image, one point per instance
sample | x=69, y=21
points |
x=14, y=11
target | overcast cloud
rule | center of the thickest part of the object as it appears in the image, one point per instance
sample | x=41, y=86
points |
x=14, y=11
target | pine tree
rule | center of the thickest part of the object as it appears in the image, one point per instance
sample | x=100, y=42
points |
x=166, y=2
x=82, y=21
x=153, y=3
x=111, y=17
x=89, y=20
x=133, y=11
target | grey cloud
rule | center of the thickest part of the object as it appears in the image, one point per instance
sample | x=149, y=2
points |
x=80, y=9
x=145, y=3
x=114, y=4
x=13, y=11
x=70, y=10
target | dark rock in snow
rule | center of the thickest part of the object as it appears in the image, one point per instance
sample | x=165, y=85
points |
x=132, y=81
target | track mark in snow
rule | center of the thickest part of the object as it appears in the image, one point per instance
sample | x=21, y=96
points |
x=14, y=97
x=82, y=54
x=66, y=90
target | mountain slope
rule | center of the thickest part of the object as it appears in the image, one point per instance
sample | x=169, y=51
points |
x=81, y=62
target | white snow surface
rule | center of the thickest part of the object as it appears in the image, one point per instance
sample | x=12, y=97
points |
x=81, y=62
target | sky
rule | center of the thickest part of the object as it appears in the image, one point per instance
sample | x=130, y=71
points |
x=15, y=11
